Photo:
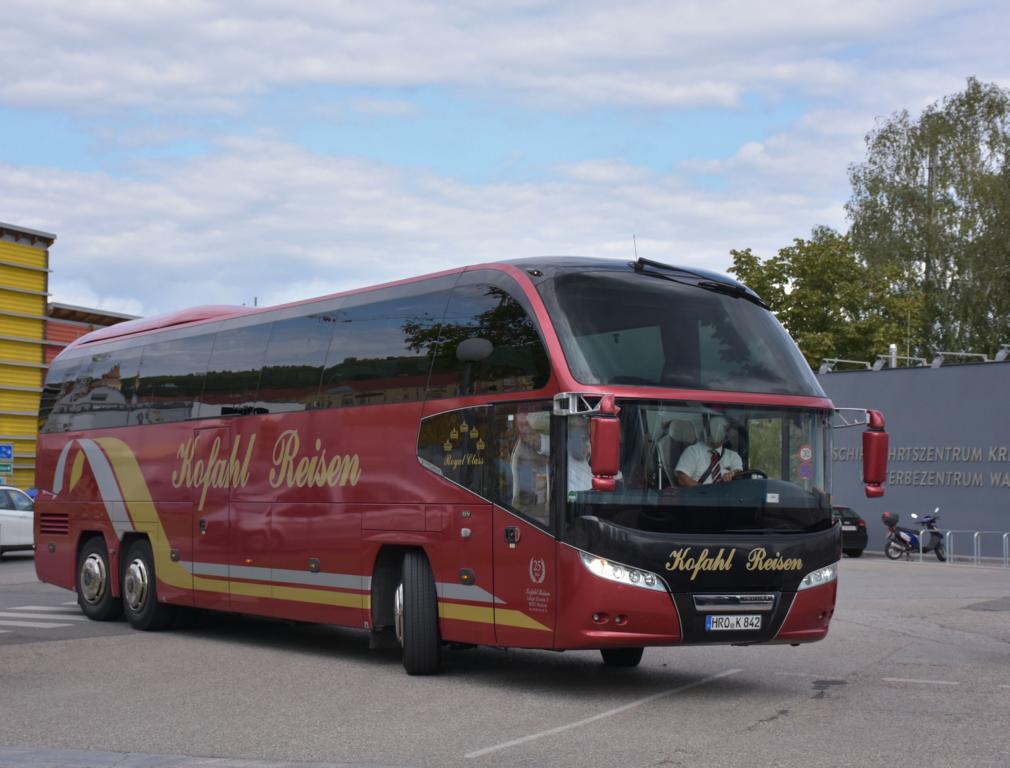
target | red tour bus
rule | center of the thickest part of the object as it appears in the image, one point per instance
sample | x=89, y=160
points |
x=551, y=453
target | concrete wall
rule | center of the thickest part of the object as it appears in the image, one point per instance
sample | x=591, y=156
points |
x=950, y=446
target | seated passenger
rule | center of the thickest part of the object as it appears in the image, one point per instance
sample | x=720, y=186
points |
x=530, y=461
x=707, y=462
x=580, y=471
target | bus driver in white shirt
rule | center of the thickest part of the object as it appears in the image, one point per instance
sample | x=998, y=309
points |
x=709, y=462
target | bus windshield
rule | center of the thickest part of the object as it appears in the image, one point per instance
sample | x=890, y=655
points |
x=639, y=328
x=690, y=468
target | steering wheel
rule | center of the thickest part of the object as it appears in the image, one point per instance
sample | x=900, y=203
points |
x=749, y=474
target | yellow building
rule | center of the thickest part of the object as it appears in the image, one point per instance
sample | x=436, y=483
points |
x=24, y=289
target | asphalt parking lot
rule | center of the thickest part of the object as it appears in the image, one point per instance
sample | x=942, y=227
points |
x=915, y=671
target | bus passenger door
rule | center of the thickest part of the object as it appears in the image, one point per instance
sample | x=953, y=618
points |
x=525, y=552
x=211, y=520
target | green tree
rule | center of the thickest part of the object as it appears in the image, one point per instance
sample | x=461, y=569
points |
x=931, y=203
x=829, y=300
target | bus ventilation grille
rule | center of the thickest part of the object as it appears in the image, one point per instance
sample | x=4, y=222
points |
x=55, y=523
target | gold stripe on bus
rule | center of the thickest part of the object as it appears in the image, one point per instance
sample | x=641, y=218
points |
x=297, y=594
x=506, y=617
x=144, y=515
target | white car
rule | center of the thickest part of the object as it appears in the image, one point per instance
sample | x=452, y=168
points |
x=17, y=520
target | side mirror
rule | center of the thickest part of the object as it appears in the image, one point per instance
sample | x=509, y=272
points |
x=605, y=442
x=474, y=350
x=875, y=445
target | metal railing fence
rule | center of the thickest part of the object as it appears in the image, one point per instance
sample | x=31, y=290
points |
x=976, y=558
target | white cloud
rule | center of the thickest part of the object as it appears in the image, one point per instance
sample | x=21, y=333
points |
x=270, y=220
x=213, y=55
x=256, y=217
x=81, y=294
x=383, y=107
x=605, y=172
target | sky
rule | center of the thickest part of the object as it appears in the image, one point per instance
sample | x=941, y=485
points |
x=193, y=152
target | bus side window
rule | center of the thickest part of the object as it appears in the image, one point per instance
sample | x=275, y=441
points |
x=521, y=459
x=54, y=404
x=102, y=396
x=294, y=362
x=233, y=375
x=457, y=445
x=171, y=379
x=503, y=352
x=382, y=345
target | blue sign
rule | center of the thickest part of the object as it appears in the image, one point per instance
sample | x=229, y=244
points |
x=6, y=451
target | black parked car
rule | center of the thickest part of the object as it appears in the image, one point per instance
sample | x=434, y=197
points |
x=853, y=530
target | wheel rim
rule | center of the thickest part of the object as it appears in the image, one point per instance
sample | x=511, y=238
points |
x=136, y=585
x=94, y=578
x=398, y=613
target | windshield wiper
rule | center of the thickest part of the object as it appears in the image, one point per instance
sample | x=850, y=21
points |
x=705, y=282
x=641, y=264
x=736, y=291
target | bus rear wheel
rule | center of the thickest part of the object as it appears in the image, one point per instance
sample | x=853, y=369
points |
x=622, y=657
x=415, y=608
x=140, y=590
x=94, y=587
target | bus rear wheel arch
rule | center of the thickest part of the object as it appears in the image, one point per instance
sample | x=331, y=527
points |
x=94, y=581
x=140, y=589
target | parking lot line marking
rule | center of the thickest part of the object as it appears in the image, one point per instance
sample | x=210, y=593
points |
x=32, y=624
x=601, y=716
x=920, y=682
x=798, y=674
x=53, y=616
x=72, y=602
x=59, y=608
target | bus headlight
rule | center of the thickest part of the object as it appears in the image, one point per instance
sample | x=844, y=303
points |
x=622, y=574
x=819, y=577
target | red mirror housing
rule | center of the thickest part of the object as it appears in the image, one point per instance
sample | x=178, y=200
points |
x=605, y=441
x=875, y=447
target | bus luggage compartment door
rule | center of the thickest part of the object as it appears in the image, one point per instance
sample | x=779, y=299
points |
x=525, y=582
x=211, y=524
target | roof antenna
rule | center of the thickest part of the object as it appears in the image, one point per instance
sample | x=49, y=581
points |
x=634, y=242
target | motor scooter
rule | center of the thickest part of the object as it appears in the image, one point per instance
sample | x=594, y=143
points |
x=905, y=541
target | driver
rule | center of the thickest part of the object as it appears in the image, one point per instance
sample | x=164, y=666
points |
x=709, y=461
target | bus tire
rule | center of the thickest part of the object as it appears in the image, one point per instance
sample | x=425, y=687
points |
x=140, y=590
x=417, y=615
x=94, y=582
x=622, y=657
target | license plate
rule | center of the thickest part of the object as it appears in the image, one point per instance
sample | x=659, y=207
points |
x=732, y=623
x=849, y=528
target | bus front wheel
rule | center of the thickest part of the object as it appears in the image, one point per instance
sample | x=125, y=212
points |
x=140, y=590
x=622, y=657
x=415, y=607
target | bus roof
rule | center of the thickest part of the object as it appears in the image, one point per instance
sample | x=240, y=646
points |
x=542, y=267
x=182, y=317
